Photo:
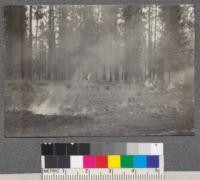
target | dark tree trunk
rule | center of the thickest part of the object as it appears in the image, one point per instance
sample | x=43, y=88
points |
x=8, y=39
x=29, y=74
x=22, y=40
x=149, y=43
x=51, y=51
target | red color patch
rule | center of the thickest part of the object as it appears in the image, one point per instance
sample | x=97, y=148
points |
x=101, y=162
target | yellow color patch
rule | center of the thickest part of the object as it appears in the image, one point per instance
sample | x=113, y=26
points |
x=114, y=161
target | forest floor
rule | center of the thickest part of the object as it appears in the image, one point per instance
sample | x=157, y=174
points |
x=49, y=109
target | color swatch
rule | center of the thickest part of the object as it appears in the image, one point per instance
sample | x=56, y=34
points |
x=102, y=148
x=81, y=155
x=126, y=161
x=114, y=161
x=140, y=161
x=101, y=161
x=89, y=161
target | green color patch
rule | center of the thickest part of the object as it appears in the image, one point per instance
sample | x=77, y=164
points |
x=127, y=161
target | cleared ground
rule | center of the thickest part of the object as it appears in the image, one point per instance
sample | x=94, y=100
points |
x=49, y=109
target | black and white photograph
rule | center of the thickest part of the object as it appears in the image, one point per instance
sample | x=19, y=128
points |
x=98, y=70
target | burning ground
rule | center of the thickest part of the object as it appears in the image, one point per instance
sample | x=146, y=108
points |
x=59, y=109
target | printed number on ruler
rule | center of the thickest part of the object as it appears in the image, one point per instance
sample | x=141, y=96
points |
x=102, y=174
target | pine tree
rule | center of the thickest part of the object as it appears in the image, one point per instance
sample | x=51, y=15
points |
x=51, y=51
x=133, y=36
x=171, y=42
x=8, y=30
x=29, y=64
x=15, y=33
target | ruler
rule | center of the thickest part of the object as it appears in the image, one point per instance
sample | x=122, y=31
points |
x=102, y=174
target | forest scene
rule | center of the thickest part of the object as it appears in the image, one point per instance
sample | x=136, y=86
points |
x=99, y=70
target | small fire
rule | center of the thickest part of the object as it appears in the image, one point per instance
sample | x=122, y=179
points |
x=46, y=108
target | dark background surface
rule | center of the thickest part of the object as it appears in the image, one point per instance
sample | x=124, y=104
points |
x=22, y=155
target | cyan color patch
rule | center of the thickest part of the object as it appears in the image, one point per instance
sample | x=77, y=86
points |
x=140, y=161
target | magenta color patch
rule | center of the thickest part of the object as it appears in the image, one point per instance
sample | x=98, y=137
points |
x=89, y=161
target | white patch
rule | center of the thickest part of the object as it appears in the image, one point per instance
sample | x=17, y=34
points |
x=46, y=108
x=76, y=161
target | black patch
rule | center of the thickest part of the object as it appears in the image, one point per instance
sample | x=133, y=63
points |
x=50, y=162
x=47, y=149
x=60, y=149
x=72, y=149
x=84, y=149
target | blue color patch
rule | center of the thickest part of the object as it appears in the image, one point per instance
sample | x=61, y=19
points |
x=140, y=161
x=153, y=161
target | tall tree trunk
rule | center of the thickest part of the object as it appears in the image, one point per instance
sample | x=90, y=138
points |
x=51, y=52
x=22, y=39
x=36, y=34
x=83, y=19
x=169, y=77
x=29, y=74
x=8, y=39
x=149, y=43
x=110, y=74
x=104, y=73
x=155, y=42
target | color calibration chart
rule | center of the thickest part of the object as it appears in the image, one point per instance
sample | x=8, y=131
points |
x=102, y=161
